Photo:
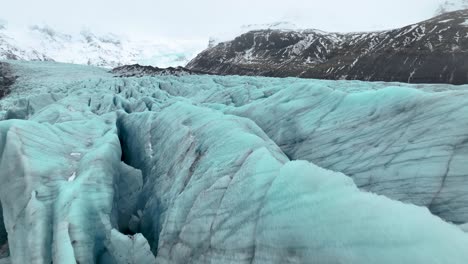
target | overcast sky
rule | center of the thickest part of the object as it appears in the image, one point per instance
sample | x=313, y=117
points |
x=199, y=19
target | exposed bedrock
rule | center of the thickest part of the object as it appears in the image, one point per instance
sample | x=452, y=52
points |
x=431, y=51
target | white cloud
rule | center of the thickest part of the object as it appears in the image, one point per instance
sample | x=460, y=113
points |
x=189, y=19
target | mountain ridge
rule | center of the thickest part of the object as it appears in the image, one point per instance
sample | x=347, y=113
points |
x=136, y=70
x=432, y=51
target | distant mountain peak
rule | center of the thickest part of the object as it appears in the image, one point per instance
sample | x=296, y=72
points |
x=227, y=36
x=109, y=50
x=451, y=5
x=432, y=51
x=50, y=33
x=3, y=24
x=274, y=25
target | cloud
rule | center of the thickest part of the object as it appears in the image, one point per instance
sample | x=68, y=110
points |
x=189, y=19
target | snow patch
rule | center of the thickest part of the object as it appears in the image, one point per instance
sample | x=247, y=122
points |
x=75, y=154
x=445, y=21
x=72, y=177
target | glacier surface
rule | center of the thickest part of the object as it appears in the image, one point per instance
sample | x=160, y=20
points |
x=208, y=169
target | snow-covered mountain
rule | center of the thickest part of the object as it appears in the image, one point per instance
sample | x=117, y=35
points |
x=230, y=35
x=432, y=51
x=86, y=47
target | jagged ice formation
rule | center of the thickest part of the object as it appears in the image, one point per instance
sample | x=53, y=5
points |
x=206, y=169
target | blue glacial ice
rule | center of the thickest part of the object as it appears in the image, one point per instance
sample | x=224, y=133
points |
x=209, y=169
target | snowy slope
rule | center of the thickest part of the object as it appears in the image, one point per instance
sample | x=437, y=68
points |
x=227, y=36
x=86, y=47
x=432, y=51
x=203, y=169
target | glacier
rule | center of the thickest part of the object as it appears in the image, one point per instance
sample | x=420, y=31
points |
x=45, y=43
x=208, y=169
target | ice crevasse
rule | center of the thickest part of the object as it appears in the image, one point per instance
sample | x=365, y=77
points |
x=98, y=169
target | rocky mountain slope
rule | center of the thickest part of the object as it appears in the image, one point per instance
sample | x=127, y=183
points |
x=433, y=51
x=137, y=70
x=211, y=169
x=43, y=43
x=226, y=36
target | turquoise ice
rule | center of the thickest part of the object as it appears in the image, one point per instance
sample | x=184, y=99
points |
x=210, y=169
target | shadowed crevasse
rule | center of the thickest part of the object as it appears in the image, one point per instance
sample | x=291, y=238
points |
x=6, y=79
x=4, y=251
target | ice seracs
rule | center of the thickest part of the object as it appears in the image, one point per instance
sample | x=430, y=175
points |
x=200, y=169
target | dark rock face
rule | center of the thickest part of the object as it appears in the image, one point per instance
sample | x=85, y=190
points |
x=4, y=251
x=433, y=51
x=6, y=79
x=137, y=70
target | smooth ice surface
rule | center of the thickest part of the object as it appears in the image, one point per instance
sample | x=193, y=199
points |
x=197, y=169
x=464, y=227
